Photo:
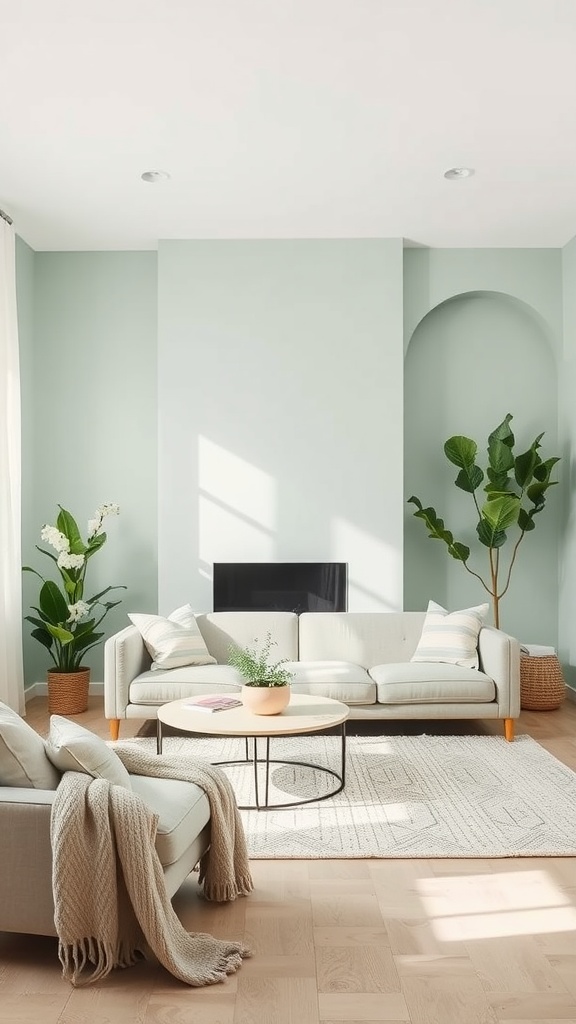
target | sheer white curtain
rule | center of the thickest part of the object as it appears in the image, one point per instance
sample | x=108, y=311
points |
x=11, y=670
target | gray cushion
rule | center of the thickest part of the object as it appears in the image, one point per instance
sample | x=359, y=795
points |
x=23, y=760
x=183, y=811
x=432, y=682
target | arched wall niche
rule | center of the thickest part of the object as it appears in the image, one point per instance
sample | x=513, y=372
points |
x=472, y=359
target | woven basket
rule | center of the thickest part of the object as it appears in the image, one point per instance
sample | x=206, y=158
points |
x=68, y=691
x=542, y=686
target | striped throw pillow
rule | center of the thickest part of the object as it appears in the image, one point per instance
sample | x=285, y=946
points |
x=451, y=637
x=173, y=641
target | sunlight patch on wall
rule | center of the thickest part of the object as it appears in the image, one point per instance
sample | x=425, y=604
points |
x=369, y=559
x=236, y=483
x=495, y=905
x=237, y=507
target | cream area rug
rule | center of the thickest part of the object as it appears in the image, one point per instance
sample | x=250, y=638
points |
x=405, y=796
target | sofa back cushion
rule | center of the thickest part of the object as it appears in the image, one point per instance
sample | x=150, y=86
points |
x=366, y=638
x=221, y=629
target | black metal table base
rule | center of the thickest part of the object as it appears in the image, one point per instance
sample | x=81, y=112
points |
x=252, y=759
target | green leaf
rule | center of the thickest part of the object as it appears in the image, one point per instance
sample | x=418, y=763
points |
x=81, y=643
x=488, y=536
x=43, y=637
x=497, y=481
x=69, y=582
x=500, y=444
x=536, y=492
x=84, y=627
x=461, y=451
x=469, y=479
x=500, y=456
x=437, y=531
x=107, y=590
x=52, y=603
x=544, y=469
x=95, y=543
x=68, y=526
x=501, y=512
x=35, y=622
x=50, y=554
x=27, y=568
x=59, y=633
x=503, y=432
x=526, y=463
x=525, y=521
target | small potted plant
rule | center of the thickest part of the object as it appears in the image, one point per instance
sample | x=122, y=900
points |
x=267, y=687
x=66, y=619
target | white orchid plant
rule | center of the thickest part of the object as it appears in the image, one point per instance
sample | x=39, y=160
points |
x=67, y=622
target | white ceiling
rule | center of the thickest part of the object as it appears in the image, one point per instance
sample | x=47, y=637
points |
x=288, y=119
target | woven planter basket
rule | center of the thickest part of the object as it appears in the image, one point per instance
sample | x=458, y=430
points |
x=68, y=691
x=542, y=686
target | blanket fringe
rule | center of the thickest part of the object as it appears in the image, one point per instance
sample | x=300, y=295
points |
x=224, y=892
x=76, y=956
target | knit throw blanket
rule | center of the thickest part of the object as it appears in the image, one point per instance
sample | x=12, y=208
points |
x=111, y=904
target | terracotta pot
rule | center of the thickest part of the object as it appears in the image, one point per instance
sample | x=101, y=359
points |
x=68, y=691
x=265, y=700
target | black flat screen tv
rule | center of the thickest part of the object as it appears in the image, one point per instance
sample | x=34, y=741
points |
x=280, y=586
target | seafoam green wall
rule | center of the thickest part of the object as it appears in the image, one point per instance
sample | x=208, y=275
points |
x=282, y=381
x=280, y=412
x=567, y=404
x=483, y=331
x=90, y=410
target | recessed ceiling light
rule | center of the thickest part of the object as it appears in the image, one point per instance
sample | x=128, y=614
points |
x=456, y=173
x=155, y=176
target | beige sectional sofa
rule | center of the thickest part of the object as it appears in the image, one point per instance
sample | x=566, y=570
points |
x=360, y=658
x=28, y=785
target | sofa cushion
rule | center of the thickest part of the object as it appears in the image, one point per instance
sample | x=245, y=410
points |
x=340, y=680
x=162, y=686
x=73, y=748
x=182, y=808
x=451, y=637
x=173, y=641
x=435, y=683
x=23, y=759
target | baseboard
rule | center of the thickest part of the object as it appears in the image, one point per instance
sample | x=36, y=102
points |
x=41, y=690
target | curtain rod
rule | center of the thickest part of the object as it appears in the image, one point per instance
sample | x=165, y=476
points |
x=5, y=217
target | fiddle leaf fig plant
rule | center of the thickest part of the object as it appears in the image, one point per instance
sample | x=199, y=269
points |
x=515, y=489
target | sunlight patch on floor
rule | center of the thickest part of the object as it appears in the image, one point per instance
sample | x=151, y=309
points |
x=490, y=906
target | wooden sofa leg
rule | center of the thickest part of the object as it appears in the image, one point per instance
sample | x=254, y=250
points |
x=114, y=728
x=509, y=729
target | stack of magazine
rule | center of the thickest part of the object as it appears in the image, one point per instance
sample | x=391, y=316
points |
x=217, y=702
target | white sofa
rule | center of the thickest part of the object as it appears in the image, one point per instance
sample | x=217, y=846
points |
x=26, y=901
x=31, y=770
x=360, y=658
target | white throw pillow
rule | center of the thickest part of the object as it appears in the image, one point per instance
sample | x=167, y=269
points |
x=72, y=748
x=173, y=641
x=451, y=637
x=23, y=760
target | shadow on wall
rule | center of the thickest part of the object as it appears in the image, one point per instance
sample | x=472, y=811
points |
x=471, y=360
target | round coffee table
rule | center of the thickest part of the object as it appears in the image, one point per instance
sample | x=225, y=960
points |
x=304, y=714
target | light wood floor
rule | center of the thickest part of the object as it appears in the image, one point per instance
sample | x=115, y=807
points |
x=420, y=941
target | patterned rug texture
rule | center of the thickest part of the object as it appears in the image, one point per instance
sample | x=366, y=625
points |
x=405, y=796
